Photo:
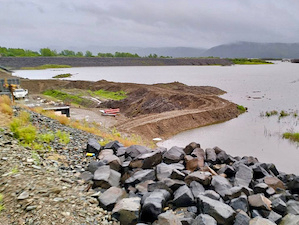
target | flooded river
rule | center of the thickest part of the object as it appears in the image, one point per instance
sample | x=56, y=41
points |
x=261, y=88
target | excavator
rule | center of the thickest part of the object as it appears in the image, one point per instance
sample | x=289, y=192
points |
x=11, y=88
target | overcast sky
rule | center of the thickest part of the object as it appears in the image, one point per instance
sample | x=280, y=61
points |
x=146, y=23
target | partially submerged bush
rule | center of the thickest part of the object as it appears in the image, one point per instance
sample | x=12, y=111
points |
x=291, y=136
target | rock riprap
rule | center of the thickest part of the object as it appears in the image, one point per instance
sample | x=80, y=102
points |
x=193, y=186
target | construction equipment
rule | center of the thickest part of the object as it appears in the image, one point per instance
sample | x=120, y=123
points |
x=10, y=85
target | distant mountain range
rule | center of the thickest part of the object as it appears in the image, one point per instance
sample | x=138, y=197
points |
x=254, y=50
x=233, y=50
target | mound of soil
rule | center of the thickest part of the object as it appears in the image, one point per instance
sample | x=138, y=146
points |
x=157, y=109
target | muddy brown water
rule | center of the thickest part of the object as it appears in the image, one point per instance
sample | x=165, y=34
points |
x=261, y=88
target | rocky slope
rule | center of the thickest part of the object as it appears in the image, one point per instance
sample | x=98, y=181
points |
x=138, y=185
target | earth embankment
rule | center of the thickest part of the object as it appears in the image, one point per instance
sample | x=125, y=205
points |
x=18, y=62
x=159, y=110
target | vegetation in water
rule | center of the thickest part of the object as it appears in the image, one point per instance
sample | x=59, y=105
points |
x=46, y=66
x=271, y=113
x=245, y=61
x=65, y=75
x=291, y=136
x=241, y=108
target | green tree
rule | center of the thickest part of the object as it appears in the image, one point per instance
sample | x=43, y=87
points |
x=79, y=54
x=88, y=54
x=47, y=52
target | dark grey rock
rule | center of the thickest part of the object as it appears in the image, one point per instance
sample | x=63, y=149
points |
x=121, y=151
x=238, y=190
x=147, y=160
x=105, y=177
x=243, y=176
x=196, y=188
x=212, y=194
x=211, y=155
x=189, y=148
x=173, y=155
x=94, y=165
x=115, y=145
x=202, y=177
x=221, y=185
x=222, y=157
x=86, y=176
x=168, y=218
x=260, y=221
x=259, y=170
x=141, y=176
x=178, y=175
x=199, y=153
x=109, y=198
x=183, y=197
x=240, y=203
x=241, y=218
x=165, y=170
x=143, y=186
x=271, y=167
x=274, y=217
x=153, y=204
x=260, y=188
x=204, y=219
x=126, y=210
x=93, y=146
x=159, y=185
x=290, y=219
x=135, y=150
x=293, y=207
x=228, y=170
x=173, y=184
x=221, y=212
x=279, y=206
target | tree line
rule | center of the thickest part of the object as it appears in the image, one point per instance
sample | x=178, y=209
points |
x=19, y=52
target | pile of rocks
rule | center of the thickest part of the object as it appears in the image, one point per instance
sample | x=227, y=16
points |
x=189, y=186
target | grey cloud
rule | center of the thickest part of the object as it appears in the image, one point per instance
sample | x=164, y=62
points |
x=156, y=23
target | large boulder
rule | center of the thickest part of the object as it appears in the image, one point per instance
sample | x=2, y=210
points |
x=221, y=185
x=135, y=150
x=293, y=207
x=93, y=146
x=202, y=177
x=153, y=203
x=183, y=197
x=259, y=201
x=94, y=165
x=196, y=188
x=221, y=212
x=274, y=182
x=204, y=219
x=165, y=170
x=105, y=177
x=147, y=160
x=173, y=155
x=211, y=155
x=290, y=219
x=189, y=148
x=193, y=163
x=127, y=210
x=260, y=221
x=240, y=203
x=115, y=145
x=109, y=198
x=243, y=175
x=168, y=218
x=241, y=218
x=141, y=176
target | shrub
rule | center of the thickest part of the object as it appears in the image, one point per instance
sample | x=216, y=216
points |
x=5, y=108
x=26, y=134
x=241, y=108
x=47, y=138
x=283, y=113
x=63, y=120
x=5, y=99
x=64, y=137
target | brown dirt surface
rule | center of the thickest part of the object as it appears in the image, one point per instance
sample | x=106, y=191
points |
x=158, y=110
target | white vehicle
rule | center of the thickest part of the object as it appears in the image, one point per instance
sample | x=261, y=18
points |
x=20, y=93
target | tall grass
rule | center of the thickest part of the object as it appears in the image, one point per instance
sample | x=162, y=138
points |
x=5, y=105
x=291, y=136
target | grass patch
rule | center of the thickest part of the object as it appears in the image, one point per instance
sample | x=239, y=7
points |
x=1, y=203
x=64, y=96
x=65, y=75
x=46, y=66
x=245, y=61
x=241, y=108
x=113, y=95
x=291, y=136
x=46, y=138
